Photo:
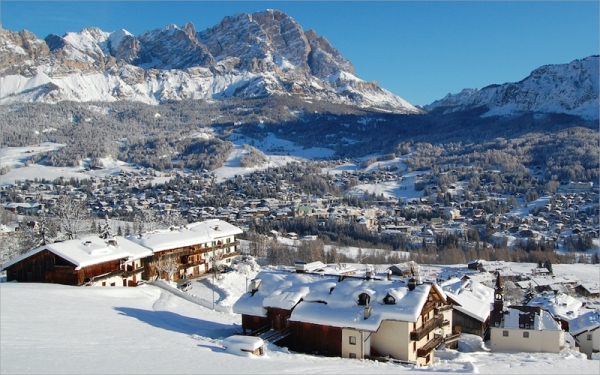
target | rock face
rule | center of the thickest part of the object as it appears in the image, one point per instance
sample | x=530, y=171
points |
x=245, y=55
x=564, y=88
x=19, y=50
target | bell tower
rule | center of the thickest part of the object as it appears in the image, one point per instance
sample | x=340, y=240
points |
x=498, y=294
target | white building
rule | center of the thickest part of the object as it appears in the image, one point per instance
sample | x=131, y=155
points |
x=586, y=331
x=522, y=328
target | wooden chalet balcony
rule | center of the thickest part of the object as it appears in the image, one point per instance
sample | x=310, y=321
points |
x=221, y=246
x=441, y=309
x=132, y=272
x=430, y=346
x=192, y=264
x=231, y=254
x=452, y=337
x=421, y=332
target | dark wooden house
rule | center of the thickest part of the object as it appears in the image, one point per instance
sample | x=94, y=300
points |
x=86, y=261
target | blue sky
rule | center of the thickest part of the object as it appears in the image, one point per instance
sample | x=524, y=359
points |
x=419, y=50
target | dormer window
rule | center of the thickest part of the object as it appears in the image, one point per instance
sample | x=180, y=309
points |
x=364, y=299
x=389, y=300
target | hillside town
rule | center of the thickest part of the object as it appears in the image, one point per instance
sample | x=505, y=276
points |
x=140, y=226
x=484, y=214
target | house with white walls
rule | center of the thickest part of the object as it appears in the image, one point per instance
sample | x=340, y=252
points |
x=522, y=328
x=348, y=316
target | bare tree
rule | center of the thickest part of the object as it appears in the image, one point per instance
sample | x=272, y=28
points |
x=7, y=216
x=72, y=217
x=168, y=265
x=28, y=237
x=9, y=248
x=172, y=219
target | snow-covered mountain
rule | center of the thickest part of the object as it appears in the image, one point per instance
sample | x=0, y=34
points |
x=563, y=88
x=246, y=56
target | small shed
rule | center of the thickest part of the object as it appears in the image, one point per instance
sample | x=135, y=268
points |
x=244, y=345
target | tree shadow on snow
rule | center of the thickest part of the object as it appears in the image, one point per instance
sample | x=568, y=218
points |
x=179, y=323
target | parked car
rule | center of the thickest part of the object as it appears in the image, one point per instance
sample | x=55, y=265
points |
x=185, y=286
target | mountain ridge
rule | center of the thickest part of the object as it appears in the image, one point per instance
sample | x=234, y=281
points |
x=246, y=55
x=556, y=88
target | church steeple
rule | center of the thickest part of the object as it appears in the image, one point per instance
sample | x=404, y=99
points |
x=498, y=294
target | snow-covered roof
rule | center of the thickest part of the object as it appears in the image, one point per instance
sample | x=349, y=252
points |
x=542, y=321
x=326, y=300
x=238, y=344
x=188, y=235
x=591, y=288
x=558, y=304
x=474, y=299
x=585, y=322
x=88, y=251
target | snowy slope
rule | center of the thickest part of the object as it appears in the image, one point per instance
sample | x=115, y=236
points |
x=149, y=330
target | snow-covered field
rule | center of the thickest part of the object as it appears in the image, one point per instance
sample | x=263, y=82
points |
x=16, y=157
x=48, y=328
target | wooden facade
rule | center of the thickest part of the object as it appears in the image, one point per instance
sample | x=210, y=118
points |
x=315, y=339
x=195, y=259
x=253, y=323
x=47, y=267
x=464, y=323
x=43, y=267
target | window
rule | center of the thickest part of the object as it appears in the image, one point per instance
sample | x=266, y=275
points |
x=352, y=340
x=526, y=334
x=228, y=240
x=352, y=355
x=589, y=337
x=505, y=333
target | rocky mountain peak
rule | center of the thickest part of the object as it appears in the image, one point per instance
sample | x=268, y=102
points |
x=175, y=48
x=559, y=88
x=324, y=60
x=19, y=50
x=245, y=55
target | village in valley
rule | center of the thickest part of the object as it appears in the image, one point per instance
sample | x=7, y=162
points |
x=389, y=302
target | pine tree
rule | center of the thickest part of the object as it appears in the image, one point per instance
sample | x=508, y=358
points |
x=530, y=293
x=106, y=231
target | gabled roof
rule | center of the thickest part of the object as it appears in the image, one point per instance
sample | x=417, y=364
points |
x=474, y=299
x=589, y=321
x=88, y=251
x=332, y=301
x=514, y=316
x=188, y=235
x=559, y=305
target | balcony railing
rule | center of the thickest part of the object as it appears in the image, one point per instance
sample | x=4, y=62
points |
x=418, y=334
x=452, y=337
x=132, y=272
x=430, y=346
x=440, y=309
